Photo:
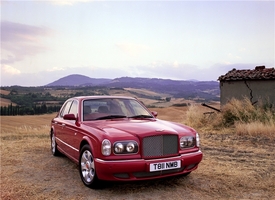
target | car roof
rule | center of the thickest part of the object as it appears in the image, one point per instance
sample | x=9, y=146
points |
x=101, y=97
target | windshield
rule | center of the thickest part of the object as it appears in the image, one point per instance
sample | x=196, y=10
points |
x=110, y=108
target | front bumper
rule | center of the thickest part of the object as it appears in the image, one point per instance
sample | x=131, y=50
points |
x=139, y=169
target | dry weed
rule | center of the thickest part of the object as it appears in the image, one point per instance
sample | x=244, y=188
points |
x=255, y=128
x=241, y=117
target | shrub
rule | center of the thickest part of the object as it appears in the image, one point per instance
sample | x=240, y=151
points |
x=241, y=115
x=195, y=117
x=245, y=112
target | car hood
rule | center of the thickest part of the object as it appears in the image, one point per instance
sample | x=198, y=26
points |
x=140, y=128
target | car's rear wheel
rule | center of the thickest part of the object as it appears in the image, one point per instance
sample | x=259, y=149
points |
x=87, y=168
x=54, y=149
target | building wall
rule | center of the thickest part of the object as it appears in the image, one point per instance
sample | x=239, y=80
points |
x=256, y=90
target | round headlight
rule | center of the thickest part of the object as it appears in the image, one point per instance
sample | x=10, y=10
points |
x=119, y=148
x=187, y=142
x=106, y=147
x=130, y=147
x=183, y=142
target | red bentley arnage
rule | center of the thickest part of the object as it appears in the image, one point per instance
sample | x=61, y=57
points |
x=117, y=138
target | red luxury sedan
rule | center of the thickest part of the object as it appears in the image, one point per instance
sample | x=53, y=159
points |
x=115, y=138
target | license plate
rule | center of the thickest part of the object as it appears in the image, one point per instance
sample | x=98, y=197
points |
x=165, y=165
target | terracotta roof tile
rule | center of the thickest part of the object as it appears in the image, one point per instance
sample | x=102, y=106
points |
x=259, y=73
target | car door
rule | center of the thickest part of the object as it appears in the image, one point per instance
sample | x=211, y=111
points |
x=71, y=132
x=59, y=125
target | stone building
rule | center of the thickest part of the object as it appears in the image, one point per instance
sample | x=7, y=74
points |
x=257, y=84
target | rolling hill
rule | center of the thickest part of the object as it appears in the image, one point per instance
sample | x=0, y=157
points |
x=78, y=80
x=175, y=88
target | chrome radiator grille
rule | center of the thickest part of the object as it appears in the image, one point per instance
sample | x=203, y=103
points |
x=160, y=145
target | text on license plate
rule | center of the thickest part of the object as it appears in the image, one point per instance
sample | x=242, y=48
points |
x=165, y=165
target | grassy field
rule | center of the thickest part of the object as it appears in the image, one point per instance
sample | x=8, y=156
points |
x=6, y=102
x=235, y=166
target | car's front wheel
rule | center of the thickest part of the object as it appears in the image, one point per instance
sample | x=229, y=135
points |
x=87, y=168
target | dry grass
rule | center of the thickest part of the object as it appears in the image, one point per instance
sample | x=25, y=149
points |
x=240, y=116
x=255, y=128
x=6, y=102
x=204, y=119
x=5, y=92
x=145, y=92
x=250, y=119
x=3, y=101
x=234, y=166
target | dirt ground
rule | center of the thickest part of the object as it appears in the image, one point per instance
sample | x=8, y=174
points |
x=233, y=167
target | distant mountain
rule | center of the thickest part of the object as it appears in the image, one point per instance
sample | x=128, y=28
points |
x=78, y=80
x=176, y=88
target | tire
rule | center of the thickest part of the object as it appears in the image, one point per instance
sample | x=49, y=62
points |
x=54, y=149
x=87, y=169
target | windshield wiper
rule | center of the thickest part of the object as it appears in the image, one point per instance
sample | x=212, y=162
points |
x=111, y=117
x=141, y=116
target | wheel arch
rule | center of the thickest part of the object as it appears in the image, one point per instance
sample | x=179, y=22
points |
x=87, y=140
x=51, y=132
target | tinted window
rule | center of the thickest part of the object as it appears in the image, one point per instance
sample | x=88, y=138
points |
x=66, y=109
x=94, y=108
x=73, y=109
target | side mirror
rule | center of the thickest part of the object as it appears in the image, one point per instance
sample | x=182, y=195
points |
x=69, y=117
x=155, y=113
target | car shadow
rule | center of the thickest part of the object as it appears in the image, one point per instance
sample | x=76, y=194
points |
x=159, y=184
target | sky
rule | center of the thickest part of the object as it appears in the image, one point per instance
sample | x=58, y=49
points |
x=43, y=41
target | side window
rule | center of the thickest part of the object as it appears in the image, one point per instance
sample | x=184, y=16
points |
x=74, y=109
x=66, y=109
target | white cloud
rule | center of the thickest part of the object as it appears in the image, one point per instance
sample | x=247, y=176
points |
x=9, y=70
x=68, y=2
x=181, y=71
x=21, y=40
x=175, y=64
x=132, y=49
x=12, y=76
x=242, y=49
x=54, y=69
